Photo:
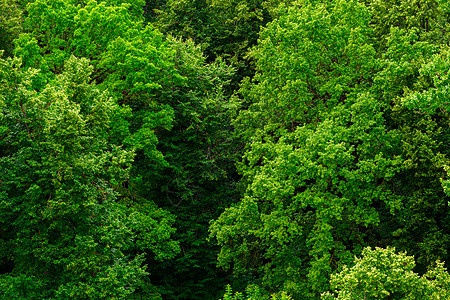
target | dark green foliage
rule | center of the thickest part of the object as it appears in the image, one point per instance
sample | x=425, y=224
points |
x=10, y=24
x=198, y=182
x=421, y=228
x=226, y=29
x=427, y=18
x=223, y=27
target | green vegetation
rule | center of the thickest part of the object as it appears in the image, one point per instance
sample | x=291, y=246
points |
x=215, y=149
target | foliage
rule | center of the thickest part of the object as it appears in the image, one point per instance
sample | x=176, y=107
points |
x=421, y=226
x=64, y=224
x=308, y=61
x=223, y=27
x=298, y=132
x=319, y=157
x=384, y=274
x=197, y=183
x=253, y=293
x=226, y=29
x=10, y=24
x=427, y=18
x=174, y=117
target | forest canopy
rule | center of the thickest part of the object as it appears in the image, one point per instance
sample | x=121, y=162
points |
x=213, y=149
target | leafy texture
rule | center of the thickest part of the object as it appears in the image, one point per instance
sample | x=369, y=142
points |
x=65, y=226
x=319, y=156
x=384, y=274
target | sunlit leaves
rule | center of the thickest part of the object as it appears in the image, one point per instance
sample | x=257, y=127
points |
x=384, y=274
x=319, y=156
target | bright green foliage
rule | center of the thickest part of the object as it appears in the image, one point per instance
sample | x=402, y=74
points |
x=319, y=159
x=65, y=226
x=129, y=59
x=434, y=97
x=46, y=19
x=61, y=28
x=322, y=114
x=135, y=7
x=308, y=60
x=253, y=293
x=401, y=63
x=173, y=116
x=384, y=274
x=307, y=200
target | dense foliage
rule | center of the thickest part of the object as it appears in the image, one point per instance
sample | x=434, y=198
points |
x=214, y=149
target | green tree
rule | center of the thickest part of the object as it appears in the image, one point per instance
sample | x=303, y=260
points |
x=319, y=159
x=429, y=18
x=253, y=293
x=384, y=274
x=175, y=119
x=66, y=227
